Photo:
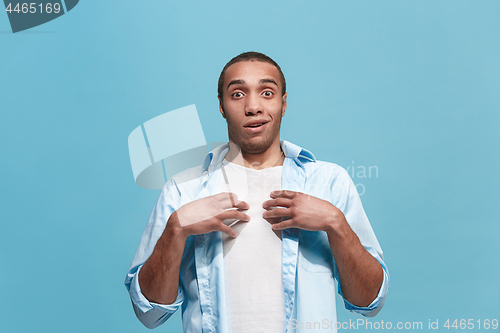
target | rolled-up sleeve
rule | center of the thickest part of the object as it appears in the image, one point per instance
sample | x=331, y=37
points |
x=149, y=313
x=377, y=304
x=350, y=204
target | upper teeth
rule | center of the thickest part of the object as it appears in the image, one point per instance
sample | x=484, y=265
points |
x=255, y=125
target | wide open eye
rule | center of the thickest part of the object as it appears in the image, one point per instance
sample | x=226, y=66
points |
x=237, y=95
x=268, y=93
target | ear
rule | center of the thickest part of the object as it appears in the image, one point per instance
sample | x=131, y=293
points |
x=221, y=108
x=283, y=104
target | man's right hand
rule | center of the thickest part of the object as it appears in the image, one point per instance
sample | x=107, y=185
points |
x=159, y=276
x=208, y=214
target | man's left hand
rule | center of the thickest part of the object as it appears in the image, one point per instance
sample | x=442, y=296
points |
x=304, y=212
x=360, y=273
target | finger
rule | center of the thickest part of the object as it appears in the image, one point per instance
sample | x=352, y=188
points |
x=227, y=204
x=283, y=225
x=278, y=212
x=281, y=202
x=283, y=194
x=226, y=196
x=229, y=200
x=226, y=229
x=233, y=214
x=242, y=205
x=273, y=220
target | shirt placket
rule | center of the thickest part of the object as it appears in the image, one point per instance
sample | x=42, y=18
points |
x=293, y=179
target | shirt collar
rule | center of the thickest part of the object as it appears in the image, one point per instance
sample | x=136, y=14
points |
x=215, y=157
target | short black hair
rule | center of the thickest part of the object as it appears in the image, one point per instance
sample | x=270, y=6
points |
x=250, y=56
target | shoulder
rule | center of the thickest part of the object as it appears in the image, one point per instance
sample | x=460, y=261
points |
x=326, y=170
x=183, y=187
x=187, y=180
x=188, y=175
x=311, y=165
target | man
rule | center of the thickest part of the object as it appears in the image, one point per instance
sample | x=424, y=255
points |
x=267, y=262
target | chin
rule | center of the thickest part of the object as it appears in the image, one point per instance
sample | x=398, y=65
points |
x=255, y=147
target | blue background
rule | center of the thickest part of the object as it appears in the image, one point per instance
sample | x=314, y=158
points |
x=411, y=87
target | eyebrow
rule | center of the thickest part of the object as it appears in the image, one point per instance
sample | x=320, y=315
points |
x=235, y=82
x=243, y=82
x=268, y=81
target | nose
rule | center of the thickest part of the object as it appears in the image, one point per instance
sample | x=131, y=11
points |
x=253, y=105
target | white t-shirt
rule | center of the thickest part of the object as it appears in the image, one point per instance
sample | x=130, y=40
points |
x=252, y=261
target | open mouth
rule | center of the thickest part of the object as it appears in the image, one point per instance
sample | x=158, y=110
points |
x=256, y=125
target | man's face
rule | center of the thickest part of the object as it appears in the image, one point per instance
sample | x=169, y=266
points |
x=252, y=105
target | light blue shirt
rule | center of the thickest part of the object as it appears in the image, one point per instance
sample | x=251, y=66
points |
x=308, y=268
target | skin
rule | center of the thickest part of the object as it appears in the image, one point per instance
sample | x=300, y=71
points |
x=252, y=91
x=159, y=276
x=360, y=273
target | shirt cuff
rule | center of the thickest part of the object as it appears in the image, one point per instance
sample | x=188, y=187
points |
x=142, y=303
x=375, y=306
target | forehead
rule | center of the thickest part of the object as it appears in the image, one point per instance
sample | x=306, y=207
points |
x=251, y=72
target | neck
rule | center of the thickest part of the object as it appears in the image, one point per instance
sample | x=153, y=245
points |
x=273, y=156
